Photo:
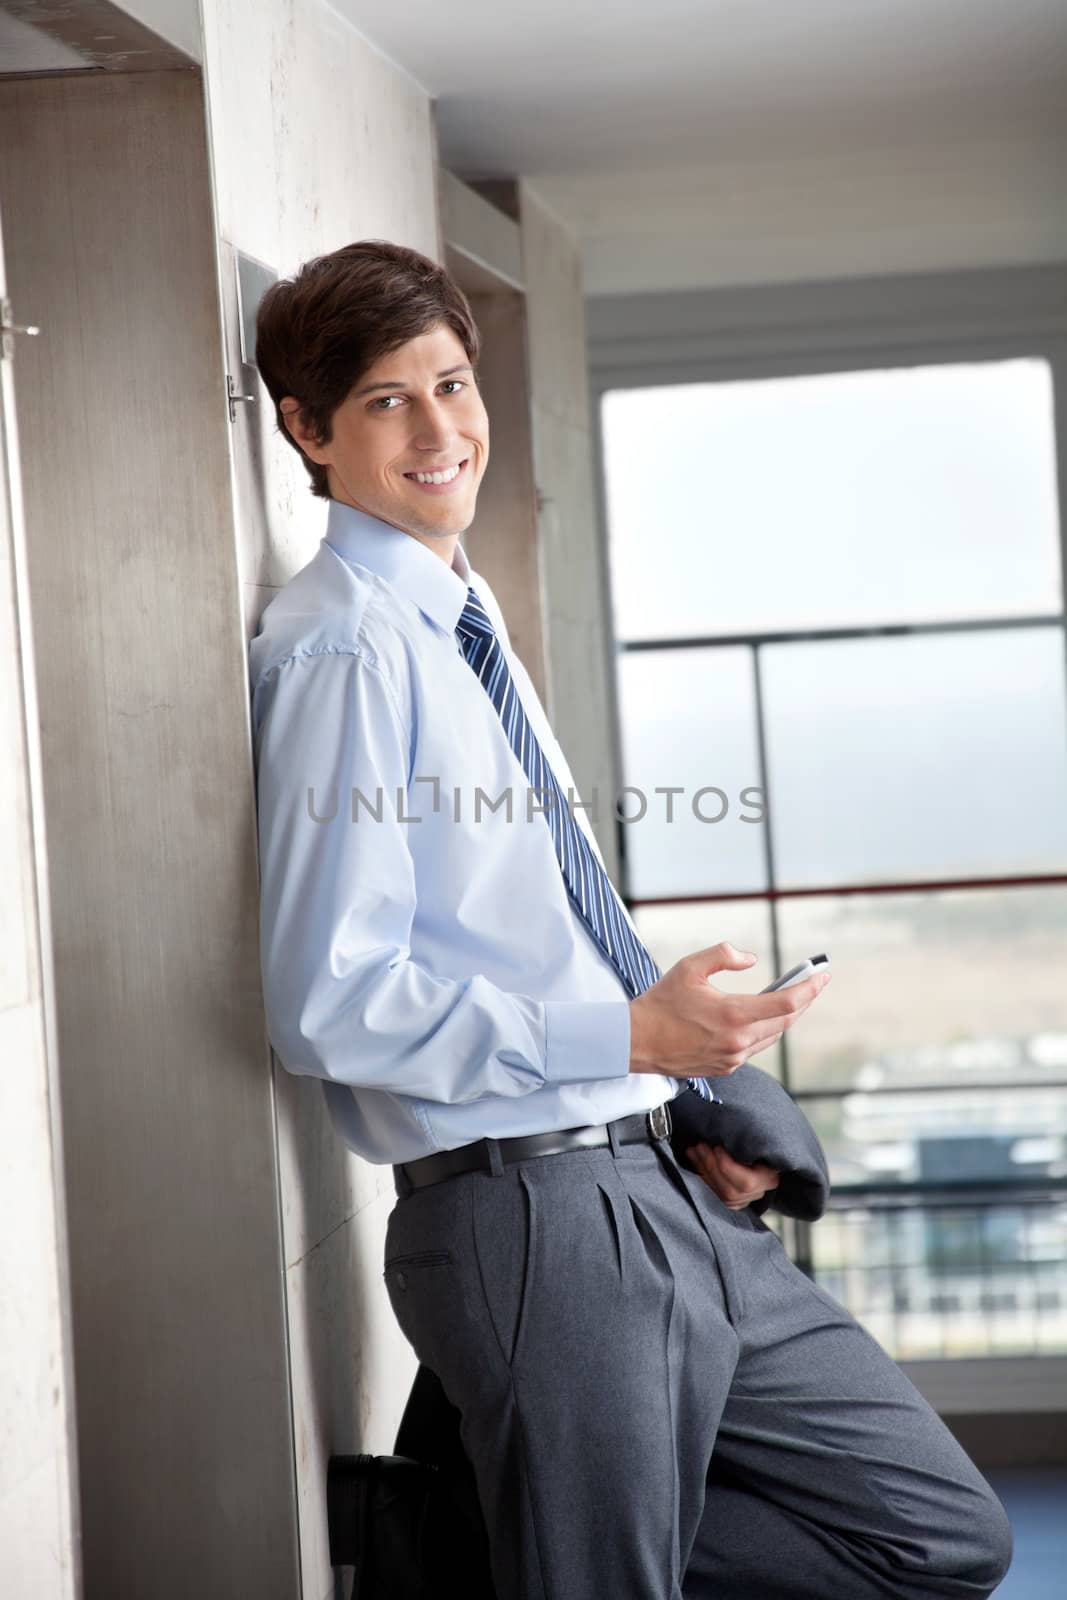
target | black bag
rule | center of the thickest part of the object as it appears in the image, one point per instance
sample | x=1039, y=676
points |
x=410, y=1524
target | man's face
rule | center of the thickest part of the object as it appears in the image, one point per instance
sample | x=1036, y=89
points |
x=410, y=412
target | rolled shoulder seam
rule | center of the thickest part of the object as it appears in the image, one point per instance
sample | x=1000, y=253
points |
x=363, y=653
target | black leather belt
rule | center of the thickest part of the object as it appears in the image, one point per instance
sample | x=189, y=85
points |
x=641, y=1128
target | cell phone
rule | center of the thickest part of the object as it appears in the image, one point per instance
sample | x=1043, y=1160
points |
x=797, y=974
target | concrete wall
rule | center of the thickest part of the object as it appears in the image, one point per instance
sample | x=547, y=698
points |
x=230, y=1326
x=577, y=621
x=503, y=543
x=576, y=626
x=316, y=141
x=38, y=1471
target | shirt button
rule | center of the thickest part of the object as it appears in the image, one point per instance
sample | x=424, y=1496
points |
x=401, y=1281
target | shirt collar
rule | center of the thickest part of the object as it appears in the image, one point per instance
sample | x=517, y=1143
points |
x=405, y=563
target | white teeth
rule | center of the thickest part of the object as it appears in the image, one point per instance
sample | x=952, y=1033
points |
x=435, y=477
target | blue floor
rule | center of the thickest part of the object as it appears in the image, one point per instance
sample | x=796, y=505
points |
x=1036, y=1502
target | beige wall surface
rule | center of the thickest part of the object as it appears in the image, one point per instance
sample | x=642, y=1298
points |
x=316, y=141
x=580, y=667
x=502, y=543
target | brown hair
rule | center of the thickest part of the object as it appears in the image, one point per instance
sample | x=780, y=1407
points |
x=317, y=333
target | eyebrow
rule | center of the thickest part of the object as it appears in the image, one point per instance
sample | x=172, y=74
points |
x=398, y=383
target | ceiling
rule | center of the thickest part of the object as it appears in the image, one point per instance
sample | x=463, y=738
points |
x=693, y=143
x=560, y=87
x=24, y=48
x=42, y=36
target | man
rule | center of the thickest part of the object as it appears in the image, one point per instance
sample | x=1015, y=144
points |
x=655, y=1401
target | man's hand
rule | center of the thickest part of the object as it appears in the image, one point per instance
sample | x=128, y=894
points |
x=734, y=1184
x=686, y=1028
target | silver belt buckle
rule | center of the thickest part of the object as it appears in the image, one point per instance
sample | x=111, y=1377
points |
x=659, y=1121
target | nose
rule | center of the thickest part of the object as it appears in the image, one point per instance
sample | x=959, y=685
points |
x=435, y=429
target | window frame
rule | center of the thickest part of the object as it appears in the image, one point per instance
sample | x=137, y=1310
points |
x=717, y=335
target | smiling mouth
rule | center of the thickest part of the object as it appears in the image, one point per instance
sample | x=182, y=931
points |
x=447, y=483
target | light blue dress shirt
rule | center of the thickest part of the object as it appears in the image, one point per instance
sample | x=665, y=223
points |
x=419, y=952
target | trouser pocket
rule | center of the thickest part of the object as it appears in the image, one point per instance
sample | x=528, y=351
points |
x=505, y=1243
x=423, y=1269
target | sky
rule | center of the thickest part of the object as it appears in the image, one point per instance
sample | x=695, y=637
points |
x=919, y=493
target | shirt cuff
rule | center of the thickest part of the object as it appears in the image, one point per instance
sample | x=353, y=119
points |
x=586, y=1040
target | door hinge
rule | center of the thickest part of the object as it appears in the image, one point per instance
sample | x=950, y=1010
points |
x=232, y=396
x=9, y=327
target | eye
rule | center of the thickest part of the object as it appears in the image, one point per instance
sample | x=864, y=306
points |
x=382, y=401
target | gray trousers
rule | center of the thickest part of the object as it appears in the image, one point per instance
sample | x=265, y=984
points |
x=658, y=1404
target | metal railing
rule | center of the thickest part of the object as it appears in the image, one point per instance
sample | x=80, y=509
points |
x=949, y=1270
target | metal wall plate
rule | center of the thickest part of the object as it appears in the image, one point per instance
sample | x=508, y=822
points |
x=253, y=281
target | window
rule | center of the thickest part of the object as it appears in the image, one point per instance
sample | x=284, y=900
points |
x=841, y=499
x=839, y=606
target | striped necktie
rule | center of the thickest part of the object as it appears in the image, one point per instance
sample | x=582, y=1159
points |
x=588, y=885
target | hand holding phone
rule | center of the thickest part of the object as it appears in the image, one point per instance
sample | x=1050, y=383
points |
x=677, y=1031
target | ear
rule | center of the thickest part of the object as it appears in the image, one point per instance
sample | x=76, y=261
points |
x=293, y=417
